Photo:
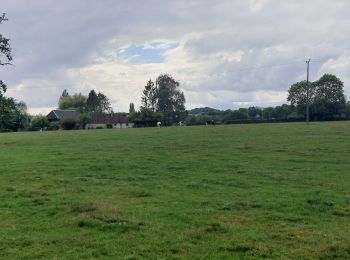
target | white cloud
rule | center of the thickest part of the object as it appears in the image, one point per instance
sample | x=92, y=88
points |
x=221, y=52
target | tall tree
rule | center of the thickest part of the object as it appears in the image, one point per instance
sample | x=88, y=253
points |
x=5, y=54
x=98, y=102
x=5, y=48
x=148, y=99
x=298, y=95
x=65, y=93
x=329, y=96
x=169, y=99
x=132, y=108
x=92, y=101
x=2, y=89
x=13, y=114
x=104, y=105
x=326, y=96
x=76, y=102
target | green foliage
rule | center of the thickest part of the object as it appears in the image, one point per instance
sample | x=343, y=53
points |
x=6, y=130
x=170, y=100
x=53, y=127
x=3, y=88
x=329, y=96
x=76, y=102
x=5, y=48
x=39, y=121
x=84, y=119
x=244, y=115
x=264, y=191
x=326, y=97
x=164, y=97
x=5, y=51
x=149, y=98
x=132, y=108
x=68, y=124
x=13, y=114
x=98, y=103
x=146, y=118
x=346, y=110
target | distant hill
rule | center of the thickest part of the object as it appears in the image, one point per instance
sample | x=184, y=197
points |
x=203, y=110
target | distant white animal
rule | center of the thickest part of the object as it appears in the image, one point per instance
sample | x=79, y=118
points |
x=180, y=123
x=159, y=124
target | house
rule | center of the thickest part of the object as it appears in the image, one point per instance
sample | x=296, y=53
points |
x=114, y=120
x=56, y=116
x=96, y=120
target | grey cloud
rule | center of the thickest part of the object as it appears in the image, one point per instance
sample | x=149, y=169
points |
x=50, y=38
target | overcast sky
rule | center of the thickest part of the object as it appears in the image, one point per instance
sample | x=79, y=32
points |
x=225, y=53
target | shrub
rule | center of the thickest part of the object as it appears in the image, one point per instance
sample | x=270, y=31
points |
x=6, y=130
x=33, y=129
x=83, y=120
x=68, y=124
x=39, y=121
x=53, y=128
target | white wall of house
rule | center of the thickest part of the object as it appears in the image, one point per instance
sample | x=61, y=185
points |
x=123, y=125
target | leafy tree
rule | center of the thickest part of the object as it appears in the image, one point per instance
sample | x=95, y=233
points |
x=148, y=100
x=267, y=113
x=169, y=100
x=65, y=93
x=40, y=121
x=83, y=120
x=5, y=48
x=2, y=88
x=104, y=105
x=13, y=114
x=254, y=112
x=132, y=108
x=92, y=101
x=164, y=97
x=5, y=54
x=346, y=109
x=326, y=96
x=98, y=103
x=329, y=96
x=68, y=124
x=76, y=102
x=300, y=94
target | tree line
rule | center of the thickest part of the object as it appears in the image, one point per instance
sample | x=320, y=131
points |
x=325, y=97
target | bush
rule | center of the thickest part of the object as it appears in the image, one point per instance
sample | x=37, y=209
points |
x=6, y=130
x=53, y=128
x=39, y=121
x=68, y=124
x=33, y=129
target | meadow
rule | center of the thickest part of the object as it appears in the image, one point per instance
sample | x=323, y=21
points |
x=206, y=192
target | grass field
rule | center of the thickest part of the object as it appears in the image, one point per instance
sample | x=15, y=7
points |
x=218, y=192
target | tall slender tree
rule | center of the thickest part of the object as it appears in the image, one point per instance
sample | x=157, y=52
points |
x=5, y=54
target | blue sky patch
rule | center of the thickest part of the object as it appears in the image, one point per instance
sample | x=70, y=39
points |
x=148, y=53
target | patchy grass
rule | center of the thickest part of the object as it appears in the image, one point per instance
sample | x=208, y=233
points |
x=218, y=192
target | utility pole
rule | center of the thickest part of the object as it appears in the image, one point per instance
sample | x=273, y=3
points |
x=307, y=93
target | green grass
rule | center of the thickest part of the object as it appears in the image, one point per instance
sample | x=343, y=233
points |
x=218, y=192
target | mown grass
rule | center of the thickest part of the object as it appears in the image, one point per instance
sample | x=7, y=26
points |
x=218, y=192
